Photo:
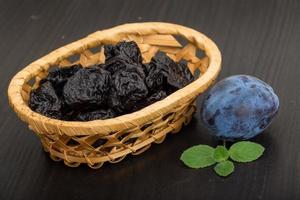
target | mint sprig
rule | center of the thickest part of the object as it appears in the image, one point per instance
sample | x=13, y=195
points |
x=202, y=156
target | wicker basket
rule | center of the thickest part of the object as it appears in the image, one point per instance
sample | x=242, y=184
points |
x=98, y=141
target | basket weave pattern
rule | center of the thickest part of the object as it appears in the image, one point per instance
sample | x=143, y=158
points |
x=98, y=141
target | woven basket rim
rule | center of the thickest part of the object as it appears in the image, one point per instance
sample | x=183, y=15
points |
x=135, y=119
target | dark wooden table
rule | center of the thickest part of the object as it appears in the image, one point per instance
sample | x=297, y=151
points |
x=260, y=38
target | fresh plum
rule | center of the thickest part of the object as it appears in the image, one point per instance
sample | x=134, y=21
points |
x=239, y=108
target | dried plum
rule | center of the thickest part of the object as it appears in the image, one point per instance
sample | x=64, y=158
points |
x=116, y=63
x=88, y=87
x=164, y=73
x=121, y=85
x=119, y=65
x=121, y=56
x=129, y=50
x=158, y=72
x=179, y=76
x=156, y=80
x=157, y=96
x=59, y=76
x=114, y=101
x=128, y=87
x=44, y=100
x=96, y=114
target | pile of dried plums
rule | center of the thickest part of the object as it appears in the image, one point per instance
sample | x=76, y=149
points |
x=123, y=84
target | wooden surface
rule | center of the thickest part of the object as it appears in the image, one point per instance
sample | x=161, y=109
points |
x=260, y=38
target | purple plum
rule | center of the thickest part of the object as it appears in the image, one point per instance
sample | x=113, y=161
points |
x=239, y=108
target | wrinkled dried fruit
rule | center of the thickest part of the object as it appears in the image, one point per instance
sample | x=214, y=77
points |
x=96, y=114
x=121, y=85
x=121, y=56
x=88, y=87
x=157, y=96
x=60, y=75
x=179, y=76
x=128, y=50
x=164, y=73
x=45, y=101
x=128, y=87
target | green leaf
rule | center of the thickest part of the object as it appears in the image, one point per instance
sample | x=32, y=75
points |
x=199, y=156
x=245, y=151
x=224, y=168
x=220, y=154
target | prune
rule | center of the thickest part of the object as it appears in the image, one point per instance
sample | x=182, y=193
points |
x=164, y=73
x=146, y=68
x=156, y=79
x=114, y=102
x=128, y=87
x=136, y=69
x=123, y=55
x=44, y=100
x=157, y=96
x=88, y=87
x=59, y=76
x=109, y=51
x=118, y=64
x=128, y=50
x=96, y=114
x=179, y=76
x=121, y=85
x=239, y=107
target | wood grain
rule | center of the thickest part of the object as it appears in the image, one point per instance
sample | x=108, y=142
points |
x=260, y=38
